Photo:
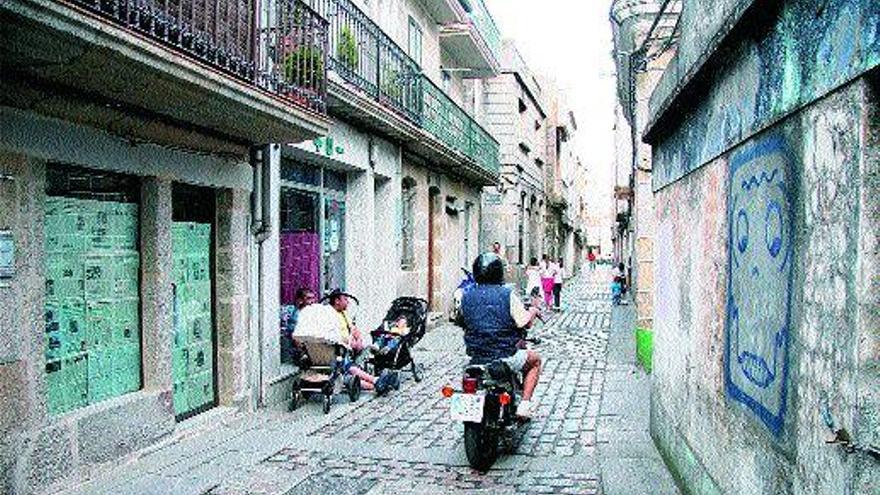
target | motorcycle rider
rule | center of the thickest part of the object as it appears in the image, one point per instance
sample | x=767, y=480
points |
x=492, y=316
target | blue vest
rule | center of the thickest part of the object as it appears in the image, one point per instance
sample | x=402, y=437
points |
x=490, y=332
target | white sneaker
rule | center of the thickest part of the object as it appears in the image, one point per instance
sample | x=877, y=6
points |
x=524, y=409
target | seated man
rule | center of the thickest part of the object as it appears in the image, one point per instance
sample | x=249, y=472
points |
x=493, y=316
x=350, y=334
x=290, y=352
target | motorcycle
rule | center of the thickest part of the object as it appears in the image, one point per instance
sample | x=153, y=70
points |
x=486, y=404
x=466, y=284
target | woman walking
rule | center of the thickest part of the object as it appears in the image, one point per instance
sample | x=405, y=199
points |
x=558, y=278
x=548, y=278
x=533, y=279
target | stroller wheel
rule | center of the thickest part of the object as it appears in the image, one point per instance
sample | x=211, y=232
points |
x=354, y=389
x=328, y=399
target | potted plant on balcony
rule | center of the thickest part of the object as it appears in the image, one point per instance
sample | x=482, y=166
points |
x=303, y=66
x=347, y=48
x=391, y=83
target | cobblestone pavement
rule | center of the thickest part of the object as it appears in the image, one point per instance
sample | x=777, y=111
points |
x=405, y=443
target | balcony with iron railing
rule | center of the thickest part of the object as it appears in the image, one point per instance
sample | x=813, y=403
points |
x=219, y=65
x=486, y=27
x=474, y=43
x=362, y=56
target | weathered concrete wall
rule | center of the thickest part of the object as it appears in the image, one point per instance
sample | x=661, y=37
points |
x=760, y=309
x=783, y=56
x=868, y=295
x=449, y=235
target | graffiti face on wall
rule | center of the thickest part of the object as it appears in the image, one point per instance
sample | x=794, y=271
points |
x=761, y=234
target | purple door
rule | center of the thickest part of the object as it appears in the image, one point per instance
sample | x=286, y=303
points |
x=300, y=243
x=300, y=264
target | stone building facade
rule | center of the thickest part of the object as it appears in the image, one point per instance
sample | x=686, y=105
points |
x=514, y=211
x=645, y=34
x=125, y=227
x=565, y=185
x=764, y=130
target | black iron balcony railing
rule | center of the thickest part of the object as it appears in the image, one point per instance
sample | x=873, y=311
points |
x=295, y=42
x=223, y=35
x=364, y=56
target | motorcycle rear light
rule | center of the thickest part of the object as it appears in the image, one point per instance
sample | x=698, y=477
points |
x=447, y=391
x=504, y=398
x=469, y=385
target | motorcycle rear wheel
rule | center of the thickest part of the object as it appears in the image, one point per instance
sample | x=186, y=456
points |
x=480, y=446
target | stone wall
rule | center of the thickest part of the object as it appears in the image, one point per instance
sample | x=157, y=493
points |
x=765, y=320
x=449, y=234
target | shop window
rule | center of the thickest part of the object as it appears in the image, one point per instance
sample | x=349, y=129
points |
x=92, y=292
x=407, y=224
x=335, y=181
x=300, y=257
x=334, y=244
x=300, y=173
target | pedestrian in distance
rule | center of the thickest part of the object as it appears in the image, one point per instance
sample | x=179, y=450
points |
x=548, y=278
x=558, y=279
x=533, y=279
x=591, y=257
x=618, y=284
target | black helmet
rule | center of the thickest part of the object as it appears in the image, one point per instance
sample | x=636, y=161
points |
x=489, y=269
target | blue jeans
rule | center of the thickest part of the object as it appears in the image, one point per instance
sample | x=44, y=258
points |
x=388, y=342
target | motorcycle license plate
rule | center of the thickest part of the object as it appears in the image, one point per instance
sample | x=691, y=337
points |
x=467, y=407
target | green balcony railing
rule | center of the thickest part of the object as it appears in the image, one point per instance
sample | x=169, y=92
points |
x=456, y=129
x=484, y=23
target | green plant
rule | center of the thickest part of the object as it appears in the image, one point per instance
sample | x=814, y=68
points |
x=391, y=85
x=347, y=49
x=304, y=66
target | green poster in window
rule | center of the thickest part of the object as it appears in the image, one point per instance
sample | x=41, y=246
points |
x=192, y=353
x=92, y=341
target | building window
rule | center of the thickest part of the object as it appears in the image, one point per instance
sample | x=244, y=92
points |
x=415, y=41
x=407, y=223
x=93, y=335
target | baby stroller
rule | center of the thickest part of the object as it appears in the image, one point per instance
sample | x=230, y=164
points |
x=323, y=362
x=415, y=311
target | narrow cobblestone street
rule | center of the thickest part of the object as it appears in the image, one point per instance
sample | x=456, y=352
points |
x=405, y=443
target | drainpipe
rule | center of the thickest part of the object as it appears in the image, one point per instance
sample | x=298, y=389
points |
x=261, y=162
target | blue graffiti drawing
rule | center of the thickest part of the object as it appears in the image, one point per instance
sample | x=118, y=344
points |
x=760, y=246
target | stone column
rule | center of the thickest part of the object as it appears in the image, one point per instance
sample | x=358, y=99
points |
x=360, y=264
x=270, y=283
x=233, y=276
x=157, y=265
x=22, y=367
